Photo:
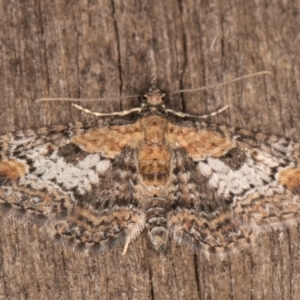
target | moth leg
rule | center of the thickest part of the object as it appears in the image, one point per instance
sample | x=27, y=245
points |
x=126, y=245
x=97, y=114
x=184, y=115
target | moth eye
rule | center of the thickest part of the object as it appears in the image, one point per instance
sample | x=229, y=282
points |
x=142, y=99
x=165, y=99
x=142, y=96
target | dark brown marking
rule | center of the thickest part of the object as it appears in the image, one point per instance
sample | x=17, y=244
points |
x=234, y=158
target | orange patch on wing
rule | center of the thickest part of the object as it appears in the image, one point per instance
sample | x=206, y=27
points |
x=108, y=140
x=12, y=169
x=290, y=178
x=199, y=143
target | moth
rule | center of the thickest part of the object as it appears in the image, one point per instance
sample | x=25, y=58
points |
x=94, y=187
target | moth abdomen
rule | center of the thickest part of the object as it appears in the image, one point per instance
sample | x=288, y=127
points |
x=156, y=222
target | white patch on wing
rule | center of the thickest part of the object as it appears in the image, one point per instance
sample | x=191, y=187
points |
x=205, y=169
x=253, y=175
x=54, y=168
x=103, y=165
x=90, y=161
x=217, y=165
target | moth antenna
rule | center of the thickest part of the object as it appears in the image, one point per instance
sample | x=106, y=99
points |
x=221, y=83
x=86, y=100
x=118, y=113
x=184, y=115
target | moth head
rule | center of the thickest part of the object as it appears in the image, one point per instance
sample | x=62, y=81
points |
x=153, y=97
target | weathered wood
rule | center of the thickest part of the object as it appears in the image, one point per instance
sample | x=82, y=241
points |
x=105, y=48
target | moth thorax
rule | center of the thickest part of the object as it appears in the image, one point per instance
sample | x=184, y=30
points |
x=157, y=227
x=154, y=128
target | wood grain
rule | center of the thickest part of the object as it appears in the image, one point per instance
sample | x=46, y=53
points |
x=106, y=48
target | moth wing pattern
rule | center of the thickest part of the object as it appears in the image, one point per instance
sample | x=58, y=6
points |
x=243, y=184
x=226, y=185
x=82, y=197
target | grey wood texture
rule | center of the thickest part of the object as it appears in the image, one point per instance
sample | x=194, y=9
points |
x=108, y=48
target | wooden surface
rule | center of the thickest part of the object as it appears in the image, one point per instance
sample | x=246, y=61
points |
x=107, y=48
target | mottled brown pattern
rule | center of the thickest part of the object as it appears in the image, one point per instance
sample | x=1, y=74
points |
x=214, y=235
